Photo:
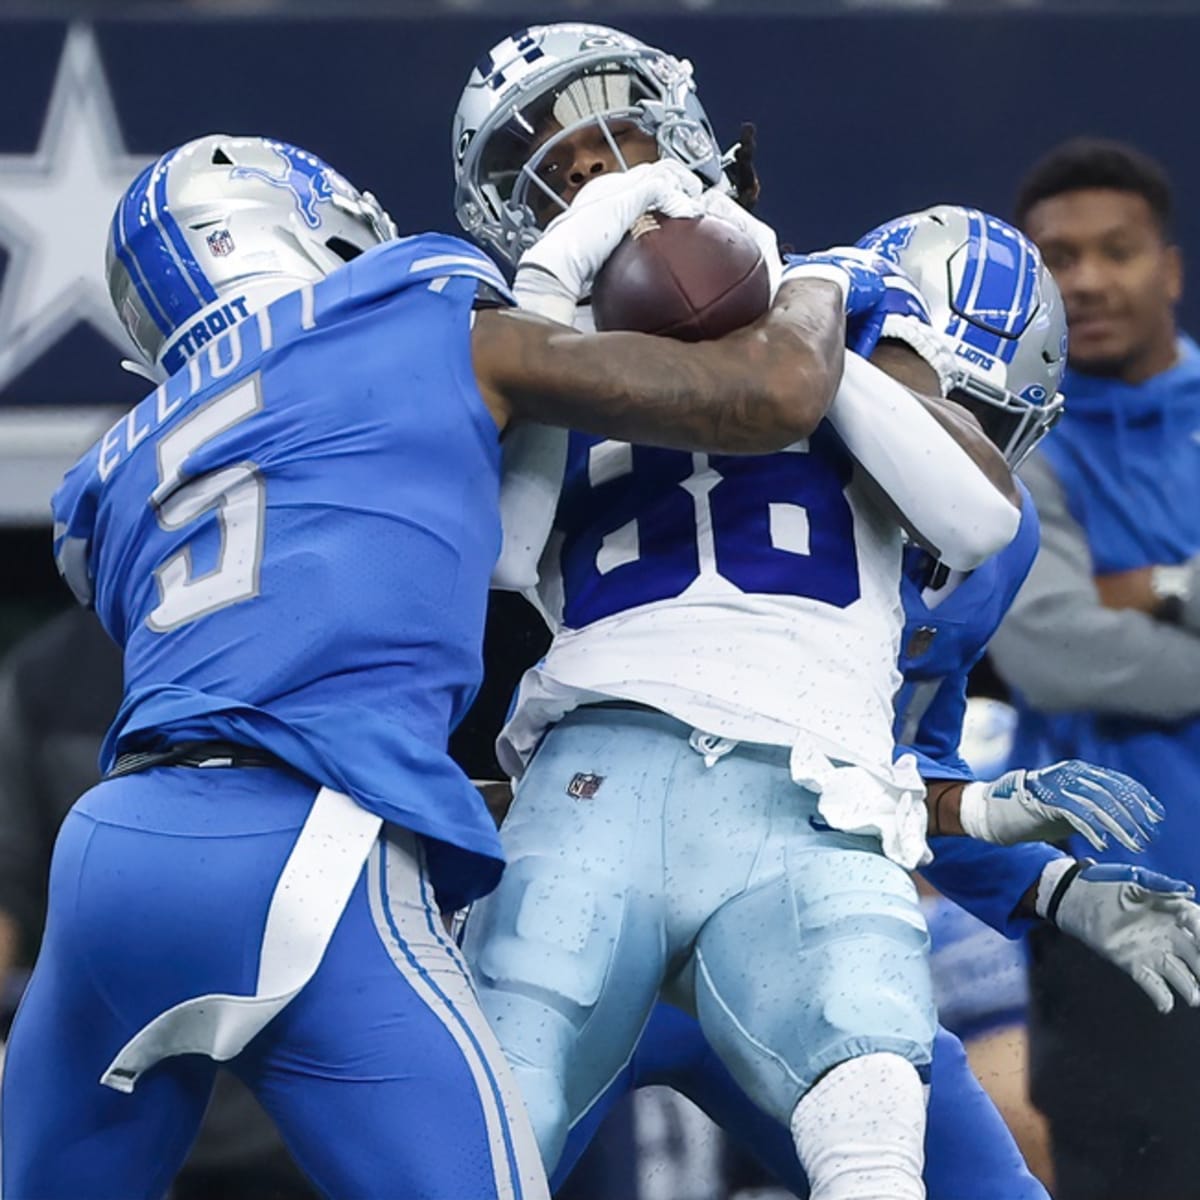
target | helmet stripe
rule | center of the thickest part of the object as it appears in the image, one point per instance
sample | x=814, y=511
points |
x=159, y=268
x=1026, y=298
x=979, y=286
x=160, y=212
x=120, y=243
x=1019, y=298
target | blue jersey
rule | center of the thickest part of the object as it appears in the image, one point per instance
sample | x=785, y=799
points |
x=292, y=538
x=941, y=644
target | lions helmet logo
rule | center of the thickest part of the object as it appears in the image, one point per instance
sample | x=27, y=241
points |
x=306, y=177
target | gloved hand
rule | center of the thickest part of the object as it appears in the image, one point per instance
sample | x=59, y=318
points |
x=1145, y=923
x=872, y=288
x=556, y=272
x=1056, y=801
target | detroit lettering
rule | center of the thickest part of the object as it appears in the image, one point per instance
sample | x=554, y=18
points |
x=203, y=331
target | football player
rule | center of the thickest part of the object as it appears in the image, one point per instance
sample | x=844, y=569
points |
x=713, y=801
x=291, y=539
x=1145, y=923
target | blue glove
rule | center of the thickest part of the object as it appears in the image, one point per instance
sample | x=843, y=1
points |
x=1143, y=922
x=874, y=288
x=1059, y=800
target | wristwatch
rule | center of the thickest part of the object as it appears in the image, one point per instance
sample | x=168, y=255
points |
x=1172, y=588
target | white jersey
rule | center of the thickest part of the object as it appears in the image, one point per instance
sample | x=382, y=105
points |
x=754, y=599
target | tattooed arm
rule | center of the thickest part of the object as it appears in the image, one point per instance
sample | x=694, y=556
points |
x=752, y=392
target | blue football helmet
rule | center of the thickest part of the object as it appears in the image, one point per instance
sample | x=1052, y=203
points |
x=1000, y=310
x=539, y=86
x=219, y=228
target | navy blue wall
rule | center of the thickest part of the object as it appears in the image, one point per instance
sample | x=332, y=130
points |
x=859, y=117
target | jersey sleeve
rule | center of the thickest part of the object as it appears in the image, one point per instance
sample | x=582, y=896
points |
x=955, y=511
x=989, y=881
x=433, y=256
x=74, y=506
x=938, y=730
x=534, y=463
x=935, y=744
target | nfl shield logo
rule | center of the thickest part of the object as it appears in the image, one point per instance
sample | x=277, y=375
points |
x=220, y=242
x=584, y=786
x=920, y=641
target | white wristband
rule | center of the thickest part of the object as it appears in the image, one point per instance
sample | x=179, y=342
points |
x=973, y=811
x=544, y=294
x=1048, y=882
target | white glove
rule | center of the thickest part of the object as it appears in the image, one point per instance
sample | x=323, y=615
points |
x=1143, y=922
x=718, y=204
x=556, y=273
x=1059, y=800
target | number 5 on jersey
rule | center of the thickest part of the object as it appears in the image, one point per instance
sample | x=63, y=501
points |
x=237, y=495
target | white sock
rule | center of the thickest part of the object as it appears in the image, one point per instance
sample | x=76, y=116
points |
x=860, y=1132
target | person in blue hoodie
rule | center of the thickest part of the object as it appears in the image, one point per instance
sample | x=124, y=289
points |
x=1102, y=649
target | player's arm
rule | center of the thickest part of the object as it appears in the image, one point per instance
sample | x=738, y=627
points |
x=752, y=392
x=938, y=473
x=1144, y=923
x=1045, y=805
x=906, y=366
x=888, y=322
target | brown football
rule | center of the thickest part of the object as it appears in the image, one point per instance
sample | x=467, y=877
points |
x=691, y=278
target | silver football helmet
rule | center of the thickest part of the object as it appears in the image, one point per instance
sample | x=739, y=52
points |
x=219, y=228
x=993, y=298
x=541, y=85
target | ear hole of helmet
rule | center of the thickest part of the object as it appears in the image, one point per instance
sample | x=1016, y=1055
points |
x=345, y=250
x=221, y=159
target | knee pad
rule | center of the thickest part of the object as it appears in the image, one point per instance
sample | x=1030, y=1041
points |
x=825, y=963
x=865, y=940
x=548, y=928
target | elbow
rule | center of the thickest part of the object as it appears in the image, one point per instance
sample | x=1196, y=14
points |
x=986, y=529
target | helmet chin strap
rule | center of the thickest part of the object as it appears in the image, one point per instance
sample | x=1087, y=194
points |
x=150, y=374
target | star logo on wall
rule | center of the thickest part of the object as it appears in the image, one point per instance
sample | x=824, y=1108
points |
x=55, y=209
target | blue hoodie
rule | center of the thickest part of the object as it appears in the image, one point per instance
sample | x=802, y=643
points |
x=1128, y=459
